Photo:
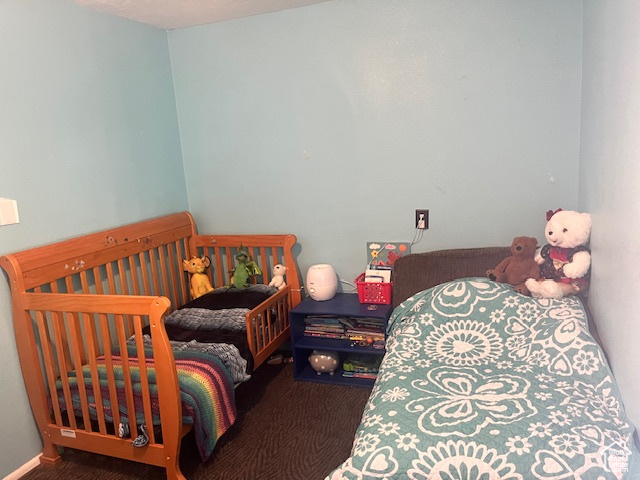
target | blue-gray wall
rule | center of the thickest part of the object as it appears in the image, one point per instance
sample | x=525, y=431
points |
x=337, y=121
x=610, y=182
x=88, y=140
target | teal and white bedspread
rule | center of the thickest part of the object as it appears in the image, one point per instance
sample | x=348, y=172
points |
x=480, y=382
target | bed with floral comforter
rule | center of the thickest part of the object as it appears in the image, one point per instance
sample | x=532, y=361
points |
x=480, y=382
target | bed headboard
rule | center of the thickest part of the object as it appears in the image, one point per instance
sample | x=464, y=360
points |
x=419, y=271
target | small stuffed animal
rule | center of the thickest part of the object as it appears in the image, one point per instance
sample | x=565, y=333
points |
x=565, y=261
x=200, y=283
x=245, y=269
x=278, y=277
x=516, y=269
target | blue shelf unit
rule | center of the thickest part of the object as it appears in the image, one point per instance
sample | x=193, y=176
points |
x=343, y=305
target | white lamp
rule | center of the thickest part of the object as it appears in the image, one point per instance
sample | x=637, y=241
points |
x=322, y=282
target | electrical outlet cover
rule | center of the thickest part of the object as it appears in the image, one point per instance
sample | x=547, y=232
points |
x=422, y=219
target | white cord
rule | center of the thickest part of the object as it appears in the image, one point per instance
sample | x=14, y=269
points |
x=417, y=236
x=350, y=284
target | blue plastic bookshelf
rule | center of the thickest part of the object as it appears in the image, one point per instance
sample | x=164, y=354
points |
x=343, y=305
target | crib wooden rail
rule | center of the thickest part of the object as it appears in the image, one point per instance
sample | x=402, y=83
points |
x=78, y=334
x=265, y=250
x=269, y=325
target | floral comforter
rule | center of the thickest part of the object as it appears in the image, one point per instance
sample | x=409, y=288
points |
x=480, y=382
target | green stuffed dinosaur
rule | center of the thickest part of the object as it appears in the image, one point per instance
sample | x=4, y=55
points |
x=245, y=269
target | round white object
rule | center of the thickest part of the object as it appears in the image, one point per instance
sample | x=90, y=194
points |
x=322, y=282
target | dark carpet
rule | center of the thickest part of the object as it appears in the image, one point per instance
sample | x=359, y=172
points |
x=286, y=430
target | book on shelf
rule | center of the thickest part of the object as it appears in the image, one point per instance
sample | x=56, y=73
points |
x=322, y=320
x=348, y=328
x=361, y=366
x=371, y=376
x=326, y=335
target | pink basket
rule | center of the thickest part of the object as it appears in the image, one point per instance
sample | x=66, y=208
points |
x=374, y=292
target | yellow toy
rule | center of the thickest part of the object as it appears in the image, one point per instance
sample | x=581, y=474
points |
x=200, y=283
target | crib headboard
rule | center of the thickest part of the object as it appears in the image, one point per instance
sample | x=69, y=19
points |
x=139, y=259
x=144, y=258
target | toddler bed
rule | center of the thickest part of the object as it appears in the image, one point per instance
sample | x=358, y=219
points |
x=89, y=321
x=481, y=382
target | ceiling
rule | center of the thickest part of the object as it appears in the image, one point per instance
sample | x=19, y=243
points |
x=170, y=14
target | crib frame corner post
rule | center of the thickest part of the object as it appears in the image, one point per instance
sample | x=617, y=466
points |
x=29, y=361
x=168, y=388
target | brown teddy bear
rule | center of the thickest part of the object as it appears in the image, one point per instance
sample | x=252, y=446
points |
x=521, y=266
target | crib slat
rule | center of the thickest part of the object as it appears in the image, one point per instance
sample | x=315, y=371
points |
x=154, y=270
x=97, y=279
x=86, y=289
x=49, y=364
x=108, y=359
x=163, y=270
x=63, y=366
x=144, y=380
x=219, y=266
x=84, y=282
x=75, y=321
x=134, y=275
x=76, y=348
x=266, y=273
x=110, y=280
x=173, y=274
x=183, y=276
x=125, y=291
x=230, y=256
x=67, y=357
x=95, y=379
x=145, y=274
x=126, y=375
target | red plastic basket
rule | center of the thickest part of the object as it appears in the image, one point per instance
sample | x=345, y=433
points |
x=373, y=292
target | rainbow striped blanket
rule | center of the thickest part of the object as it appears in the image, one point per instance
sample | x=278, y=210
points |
x=206, y=391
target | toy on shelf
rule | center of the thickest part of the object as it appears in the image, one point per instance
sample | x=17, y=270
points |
x=565, y=262
x=519, y=267
x=200, y=283
x=324, y=362
x=245, y=269
x=277, y=280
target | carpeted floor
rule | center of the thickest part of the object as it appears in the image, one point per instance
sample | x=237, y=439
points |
x=286, y=430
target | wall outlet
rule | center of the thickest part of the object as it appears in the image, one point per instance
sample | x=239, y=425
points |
x=422, y=219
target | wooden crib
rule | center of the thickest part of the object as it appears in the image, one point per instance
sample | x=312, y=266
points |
x=81, y=299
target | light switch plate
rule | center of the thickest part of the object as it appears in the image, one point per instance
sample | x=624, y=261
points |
x=8, y=212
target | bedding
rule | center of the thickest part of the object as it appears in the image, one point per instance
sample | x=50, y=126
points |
x=215, y=323
x=481, y=382
x=206, y=391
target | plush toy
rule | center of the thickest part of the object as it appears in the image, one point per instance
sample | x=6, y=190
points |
x=565, y=261
x=244, y=270
x=200, y=283
x=520, y=266
x=278, y=277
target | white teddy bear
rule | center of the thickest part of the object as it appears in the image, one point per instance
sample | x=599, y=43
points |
x=565, y=261
x=278, y=277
